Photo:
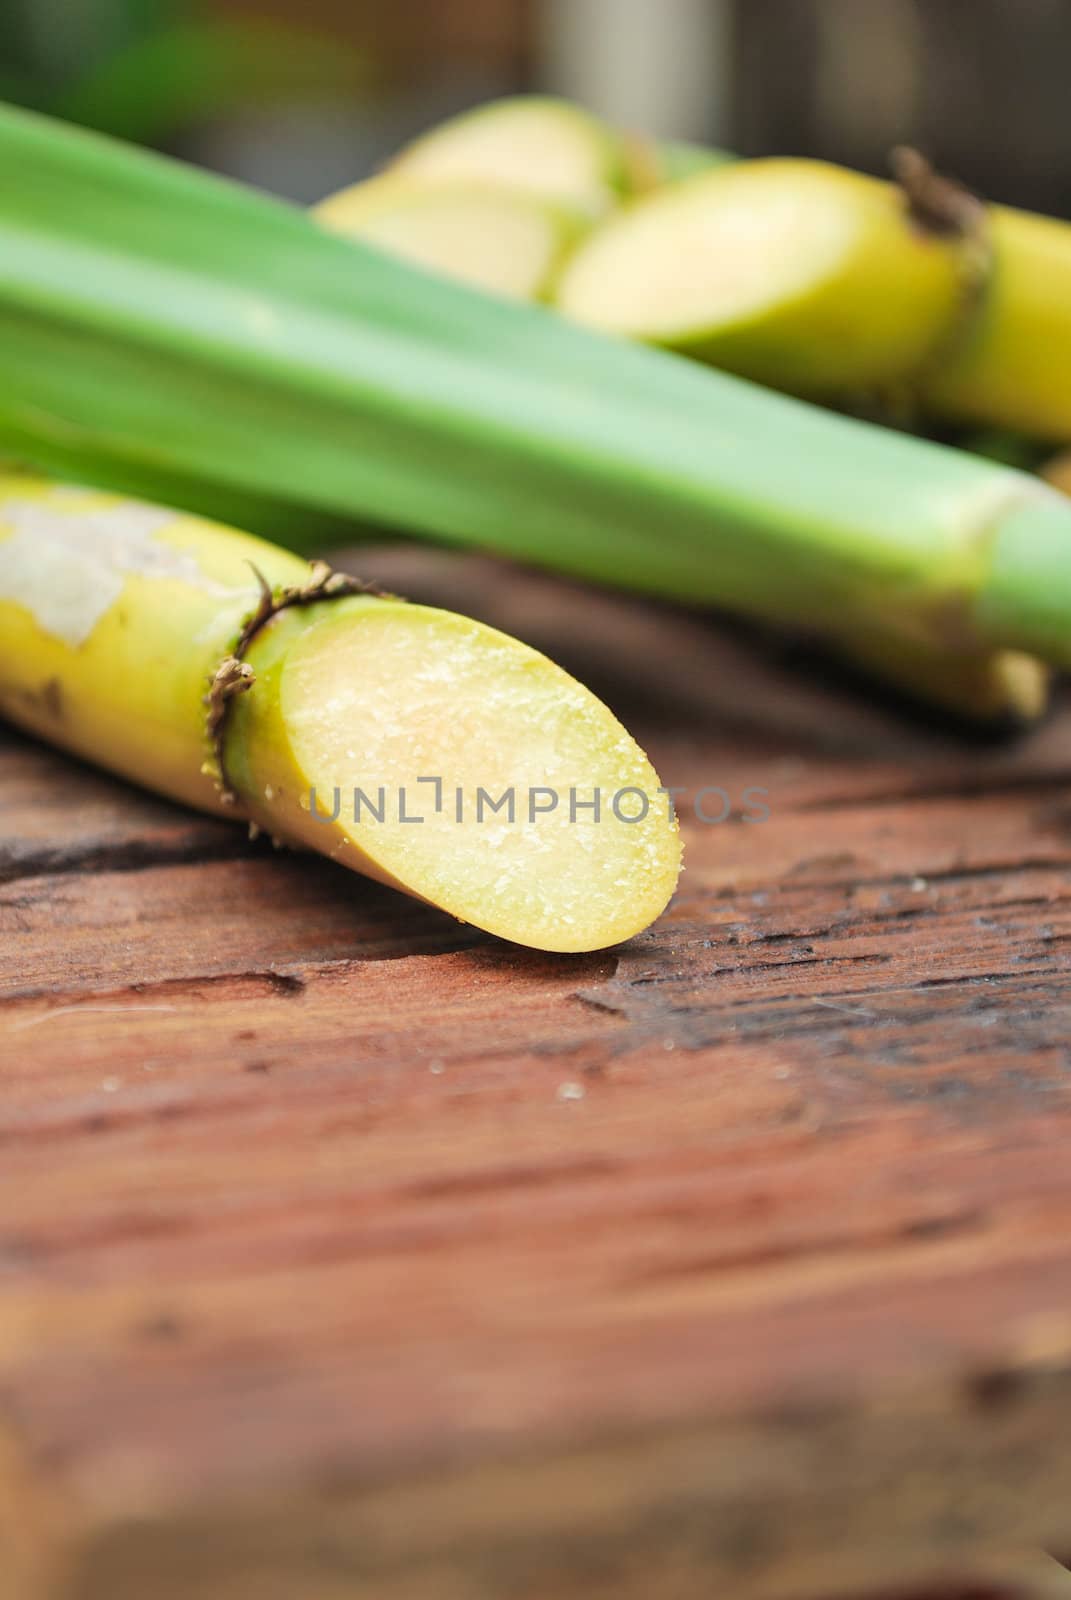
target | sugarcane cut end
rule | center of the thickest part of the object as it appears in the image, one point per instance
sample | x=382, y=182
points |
x=503, y=241
x=795, y=273
x=529, y=142
x=714, y=250
x=461, y=766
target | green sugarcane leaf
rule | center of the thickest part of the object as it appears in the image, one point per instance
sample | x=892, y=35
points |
x=158, y=321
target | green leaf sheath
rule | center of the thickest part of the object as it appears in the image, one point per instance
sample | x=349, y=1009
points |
x=157, y=320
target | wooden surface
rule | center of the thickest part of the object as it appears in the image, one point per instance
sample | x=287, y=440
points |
x=347, y=1252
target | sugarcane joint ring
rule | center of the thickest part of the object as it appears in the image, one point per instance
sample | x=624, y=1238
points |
x=942, y=207
x=235, y=676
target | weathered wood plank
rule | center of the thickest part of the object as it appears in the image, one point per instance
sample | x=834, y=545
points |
x=59, y=816
x=344, y=1251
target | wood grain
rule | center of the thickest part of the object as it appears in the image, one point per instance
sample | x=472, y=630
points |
x=344, y=1251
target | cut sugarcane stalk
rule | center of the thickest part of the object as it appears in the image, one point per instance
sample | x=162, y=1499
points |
x=799, y=275
x=115, y=617
x=534, y=144
x=1011, y=368
x=820, y=281
x=478, y=235
x=504, y=241
x=155, y=319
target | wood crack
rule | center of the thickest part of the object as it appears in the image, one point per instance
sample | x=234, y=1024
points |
x=127, y=855
x=980, y=788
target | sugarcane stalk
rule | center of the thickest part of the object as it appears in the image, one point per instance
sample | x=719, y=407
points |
x=820, y=281
x=1009, y=368
x=851, y=284
x=225, y=673
x=155, y=318
x=440, y=227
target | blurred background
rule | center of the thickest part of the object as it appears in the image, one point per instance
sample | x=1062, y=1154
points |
x=302, y=100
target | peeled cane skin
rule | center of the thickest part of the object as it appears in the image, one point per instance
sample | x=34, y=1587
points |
x=197, y=329
x=114, y=615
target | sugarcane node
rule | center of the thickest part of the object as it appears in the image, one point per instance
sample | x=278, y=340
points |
x=234, y=676
x=935, y=203
x=945, y=209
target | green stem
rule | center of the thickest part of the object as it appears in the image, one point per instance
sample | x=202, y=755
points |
x=1025, y=596
x=156, y=320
